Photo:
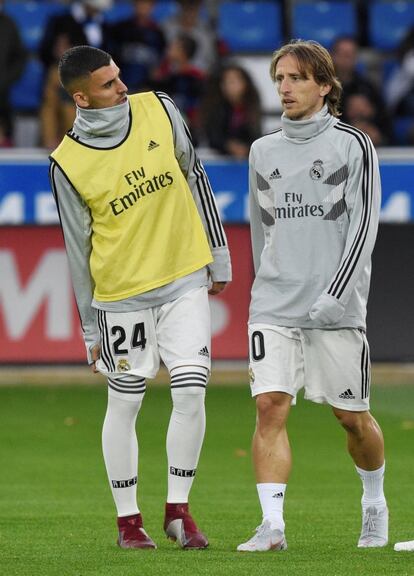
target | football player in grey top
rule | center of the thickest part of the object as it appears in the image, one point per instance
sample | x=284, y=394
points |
x=314, y=203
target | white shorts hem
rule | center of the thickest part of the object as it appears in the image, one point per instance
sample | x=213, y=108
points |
x=150, y=375
x=192, y=362
x=141, y=373
x=321, y=399
x=264, y=390
x=348, y=408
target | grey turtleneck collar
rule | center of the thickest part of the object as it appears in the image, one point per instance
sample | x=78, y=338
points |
x=301, y=130
x=104, y=125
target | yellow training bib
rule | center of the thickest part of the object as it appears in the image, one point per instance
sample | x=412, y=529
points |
x=146, y=229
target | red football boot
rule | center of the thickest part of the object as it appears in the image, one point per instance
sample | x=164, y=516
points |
x=179, y=526
x=132, y=534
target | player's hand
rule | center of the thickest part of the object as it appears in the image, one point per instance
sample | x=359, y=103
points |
x=96, y=354
x=217, y=287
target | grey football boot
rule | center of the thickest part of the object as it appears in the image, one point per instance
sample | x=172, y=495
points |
x=264, y=539
x=374, y=533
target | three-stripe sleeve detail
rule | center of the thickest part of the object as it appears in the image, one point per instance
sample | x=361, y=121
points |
x=347, y=268
x=209, y=206
x=189, y=379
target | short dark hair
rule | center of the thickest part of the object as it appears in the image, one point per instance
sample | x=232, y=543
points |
x=80, y=61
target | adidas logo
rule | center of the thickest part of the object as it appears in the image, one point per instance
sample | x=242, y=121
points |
x=152, y=145
x=204, y=352
x=347, y=395
x=278, y=495
x=275, y=174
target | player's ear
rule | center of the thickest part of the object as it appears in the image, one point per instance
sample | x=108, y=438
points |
x=81, y=99
x=325, y=89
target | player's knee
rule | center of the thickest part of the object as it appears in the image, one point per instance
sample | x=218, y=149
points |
x=273, y=408
x=122, y=406
x=189, y=401
x=354, y=423
x=125, y=396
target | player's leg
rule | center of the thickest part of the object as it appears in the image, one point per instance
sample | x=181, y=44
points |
x=366, y=447
x=183, y=332
x=364, y=438
x=184, y=441
x=339, y=373
x=275, y=369
x=272, y=457
x=126, y=391
x=120, y=450
x=186, y=429
x=271, y=450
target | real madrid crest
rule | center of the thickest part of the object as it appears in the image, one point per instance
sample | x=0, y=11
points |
x=251, y=376
x=123, y=365
x=317, y=171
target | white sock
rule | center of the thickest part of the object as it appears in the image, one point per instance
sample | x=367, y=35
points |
x=272, y=497
x=373, y=486
x=120, y=449
x=186, y=430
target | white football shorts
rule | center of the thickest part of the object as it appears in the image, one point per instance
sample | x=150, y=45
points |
x=333, y=366
x=178, y=333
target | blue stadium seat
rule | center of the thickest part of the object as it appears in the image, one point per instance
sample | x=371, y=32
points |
x=388, y=22
x=250, y=26
x=324, y=21
x=31, y=18
x=164, y=9
x=119, y=11
x=403, y=127
x=26, y=94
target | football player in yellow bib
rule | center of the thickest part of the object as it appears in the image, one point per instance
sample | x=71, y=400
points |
x=145, y=245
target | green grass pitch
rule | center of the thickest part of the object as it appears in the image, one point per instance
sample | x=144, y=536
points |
x=57, y=516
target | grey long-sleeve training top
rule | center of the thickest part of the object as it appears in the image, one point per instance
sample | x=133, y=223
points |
x=314, y=208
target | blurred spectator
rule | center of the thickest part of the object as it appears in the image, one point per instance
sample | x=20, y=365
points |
x=83, y=24
x=362, y=104
x=345, y=52
x=58, y=111
x=231, y=113
x=137, y=45
x=183, y=81
x=399, y=90
x=360, y=111
x=12, y=61
x=189, y=21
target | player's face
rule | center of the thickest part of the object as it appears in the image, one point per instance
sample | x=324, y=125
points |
x=103, y=89
x=300, y=95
